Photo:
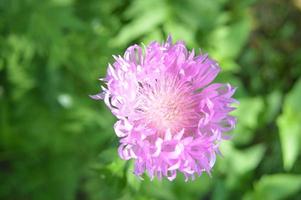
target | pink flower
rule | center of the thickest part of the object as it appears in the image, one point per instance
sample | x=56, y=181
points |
x=171, y=118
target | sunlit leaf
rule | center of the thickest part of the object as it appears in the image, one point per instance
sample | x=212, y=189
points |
x=144, y=22
x=274, y=187
x=133, y=181
x=241, y=161
x=274, y=105
x=290, y=126
x=247, y=113
x=229, y=40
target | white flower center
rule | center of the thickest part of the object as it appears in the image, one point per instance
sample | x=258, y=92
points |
x=166, y=103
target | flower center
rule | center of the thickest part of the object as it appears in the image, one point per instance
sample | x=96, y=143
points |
x=167, y=103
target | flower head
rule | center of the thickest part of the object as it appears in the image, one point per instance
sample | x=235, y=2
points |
x=171, y=118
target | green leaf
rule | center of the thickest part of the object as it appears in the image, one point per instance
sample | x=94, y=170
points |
x=18, y=62
x=133, y=181
x=244, y=131
x=251, y=106
x=180, y=32
x=241, y=161
x=1, y=64
x=290, y=127
x=273, y=187
x=274, y=105
x=229, y=40
x=62, y=2
x=145, y=21
x=116, y=167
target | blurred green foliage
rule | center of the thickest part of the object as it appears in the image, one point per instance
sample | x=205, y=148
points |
x=56, y=143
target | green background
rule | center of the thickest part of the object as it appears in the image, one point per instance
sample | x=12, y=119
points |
x=58, y=144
